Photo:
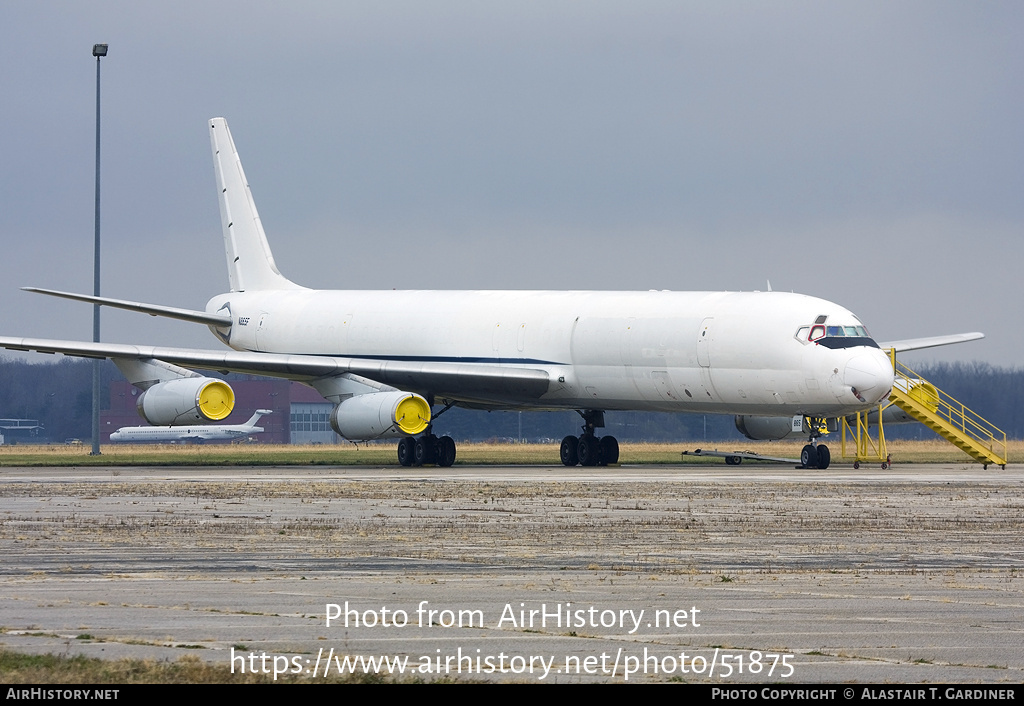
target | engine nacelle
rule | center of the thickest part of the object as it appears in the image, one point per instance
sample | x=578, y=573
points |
x=186, y=401
x=769, y=428
x=890, y=415
x=381, y=415
x=776, y=428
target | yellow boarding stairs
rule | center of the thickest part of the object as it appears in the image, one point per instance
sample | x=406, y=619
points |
x=922, y=401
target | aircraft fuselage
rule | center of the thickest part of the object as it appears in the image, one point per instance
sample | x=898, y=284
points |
x=168, y=434
x=710, y=352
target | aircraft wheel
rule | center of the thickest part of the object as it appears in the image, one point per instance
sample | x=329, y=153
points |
x=569, y=451
x=422, y=451
x=406, y=451
x=856, y=465
x=809, y=457
x=589, y=450
x=733, y=460
x=609, y=450
x=824, y=457
x=445, y=452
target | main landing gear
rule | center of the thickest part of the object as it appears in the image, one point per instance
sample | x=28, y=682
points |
x=427, y=448
x=815, y=455
x=587, y=449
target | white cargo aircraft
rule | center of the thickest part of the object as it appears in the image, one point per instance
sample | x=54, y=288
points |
x=199, y=434
x=386, y=358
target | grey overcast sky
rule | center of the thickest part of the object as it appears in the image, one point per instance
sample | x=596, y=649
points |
x=871, y=153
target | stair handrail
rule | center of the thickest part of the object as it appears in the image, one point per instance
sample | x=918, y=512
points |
x=952, y=411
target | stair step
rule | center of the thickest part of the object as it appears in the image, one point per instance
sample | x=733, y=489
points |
x=945, y=428
x=948, y=418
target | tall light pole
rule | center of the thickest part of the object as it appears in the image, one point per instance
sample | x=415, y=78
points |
x=98, y=50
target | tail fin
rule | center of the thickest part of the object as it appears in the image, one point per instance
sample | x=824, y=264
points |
x=256, y=417
x=251, y=265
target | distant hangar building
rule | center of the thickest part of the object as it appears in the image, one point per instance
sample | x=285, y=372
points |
x=21, y=431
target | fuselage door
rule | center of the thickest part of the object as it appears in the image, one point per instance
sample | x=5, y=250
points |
x=704, y=343
x=262, y=324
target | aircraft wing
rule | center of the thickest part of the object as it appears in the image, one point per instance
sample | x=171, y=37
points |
x=913, y=344
x=455, y=380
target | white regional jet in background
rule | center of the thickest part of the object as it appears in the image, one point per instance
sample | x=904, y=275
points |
x=198, y=434
x=386, y=358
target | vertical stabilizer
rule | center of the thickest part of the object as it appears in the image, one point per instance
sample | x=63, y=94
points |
x=256, y=417
x=251, y=265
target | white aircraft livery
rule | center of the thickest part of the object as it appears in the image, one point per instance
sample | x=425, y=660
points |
x=199, y=434
x=387, y=358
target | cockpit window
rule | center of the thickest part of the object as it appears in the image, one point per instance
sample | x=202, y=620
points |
x=835, y=336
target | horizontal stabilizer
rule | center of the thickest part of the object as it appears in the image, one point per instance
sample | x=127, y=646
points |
x=170, y=312
x=914, y=344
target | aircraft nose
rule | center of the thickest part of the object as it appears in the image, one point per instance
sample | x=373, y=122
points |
x=870, y=376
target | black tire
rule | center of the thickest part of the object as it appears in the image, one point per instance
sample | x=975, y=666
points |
x=609, y=450
x=824, y=457
x=446, y=452
x=856, y=465
x=733, y=460
x=809, y=457
x=589, y=450
x=423, y=451
x=405, y=451
x=569, y=451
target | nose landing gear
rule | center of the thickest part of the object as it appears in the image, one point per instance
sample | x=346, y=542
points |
x=815, y=455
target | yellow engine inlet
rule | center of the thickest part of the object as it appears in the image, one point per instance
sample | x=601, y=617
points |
x=412, y=415
x=216, y=400
x=925, y=394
